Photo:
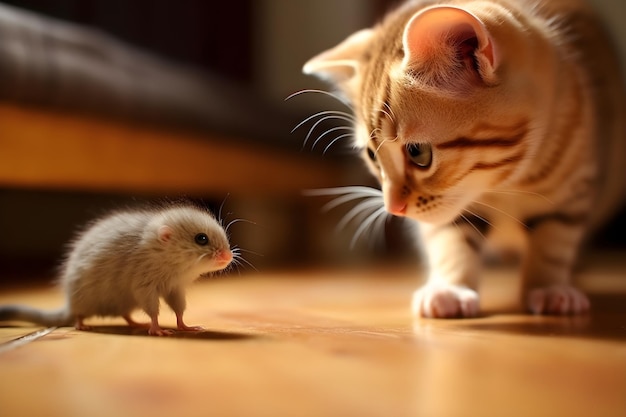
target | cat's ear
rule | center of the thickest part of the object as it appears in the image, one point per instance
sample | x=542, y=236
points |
x=341, y=62
x=432, y=32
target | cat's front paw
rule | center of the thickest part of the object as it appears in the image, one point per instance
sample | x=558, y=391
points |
x=445, y=301
x=557, y=299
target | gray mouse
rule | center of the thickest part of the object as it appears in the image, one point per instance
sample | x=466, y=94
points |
x=129, y=260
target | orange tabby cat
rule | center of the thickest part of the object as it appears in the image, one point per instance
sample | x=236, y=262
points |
x=484, y=119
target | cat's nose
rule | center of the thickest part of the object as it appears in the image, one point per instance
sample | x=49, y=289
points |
x=397, y=208
x=395, y=198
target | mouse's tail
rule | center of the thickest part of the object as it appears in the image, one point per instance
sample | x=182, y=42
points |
x=60, y=317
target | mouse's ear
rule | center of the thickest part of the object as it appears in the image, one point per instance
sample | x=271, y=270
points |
x=165, y=233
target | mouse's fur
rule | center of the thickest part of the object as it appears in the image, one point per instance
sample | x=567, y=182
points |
x=131, y=259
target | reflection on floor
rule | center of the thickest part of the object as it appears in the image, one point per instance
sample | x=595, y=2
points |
x=326, y=343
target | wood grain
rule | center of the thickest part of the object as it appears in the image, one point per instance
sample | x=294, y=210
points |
x=329, y=343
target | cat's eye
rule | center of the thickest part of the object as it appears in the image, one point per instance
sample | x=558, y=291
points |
x=420, y=154
x=201, y=239
x=371, y=154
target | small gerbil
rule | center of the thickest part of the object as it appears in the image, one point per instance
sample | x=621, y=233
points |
x=130, y=259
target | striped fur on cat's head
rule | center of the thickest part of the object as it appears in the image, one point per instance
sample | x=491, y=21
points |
x=448, y=102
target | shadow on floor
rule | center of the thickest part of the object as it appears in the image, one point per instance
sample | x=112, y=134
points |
x=123, y=330
x=607, y=321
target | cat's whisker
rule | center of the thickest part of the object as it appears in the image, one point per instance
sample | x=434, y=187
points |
x=378, y=230
x=386, y=113
x=348, y=117
x=478, y=216
x=323, y=116
x=335, y=113
x=487, y=222
x=386, y=110
x=513, y=192
x=336, y=202
x=359, y=209
x=525, y=226
x=345, y=135
x=315, y=91
x=371, y=210
x=317, y=123
x=392, y=114
x=458, y=228
x=371, y=218
x=313, y=116
x=349, y=189
x=349, y=197
x=331, y=130
x=374, y=131
x=481, y=234
x=383, y=142
x=372, y=199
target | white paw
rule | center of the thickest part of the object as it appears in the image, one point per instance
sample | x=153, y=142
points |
x=558, y=299
x=445, y=301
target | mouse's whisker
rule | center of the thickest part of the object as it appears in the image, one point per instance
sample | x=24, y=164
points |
x=200, y=258
x=237, y=249
x=239, y=260
x=232, y=222
x=220, y=219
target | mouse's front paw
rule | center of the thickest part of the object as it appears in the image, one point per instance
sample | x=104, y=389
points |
x=557, y=299
x=445, y=301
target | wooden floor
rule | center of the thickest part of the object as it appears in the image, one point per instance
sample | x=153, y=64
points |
x=326, y=344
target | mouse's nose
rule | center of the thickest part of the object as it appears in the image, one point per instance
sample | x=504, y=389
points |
x=224, y=256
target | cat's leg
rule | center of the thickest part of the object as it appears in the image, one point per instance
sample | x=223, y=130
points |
x=453, y=253
x=176, y=300
x=553, y=246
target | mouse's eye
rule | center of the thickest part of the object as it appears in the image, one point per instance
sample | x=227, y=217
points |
x=201, y=239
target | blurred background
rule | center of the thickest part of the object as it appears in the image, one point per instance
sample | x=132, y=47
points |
x=102, y=102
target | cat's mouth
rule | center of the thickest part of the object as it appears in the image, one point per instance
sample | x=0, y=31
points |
x=434, y=209
x=434, y=218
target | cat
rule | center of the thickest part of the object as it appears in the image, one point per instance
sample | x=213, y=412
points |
x=489, y=120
